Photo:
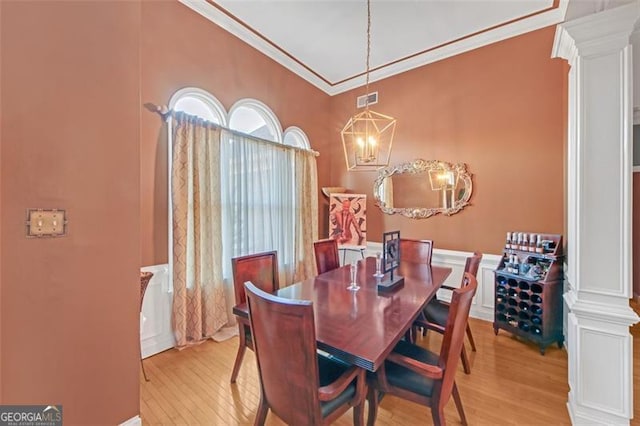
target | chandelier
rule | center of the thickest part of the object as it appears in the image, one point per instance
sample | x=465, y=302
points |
x=367, y=137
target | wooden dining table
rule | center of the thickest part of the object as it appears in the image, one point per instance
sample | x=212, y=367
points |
x=362, y=327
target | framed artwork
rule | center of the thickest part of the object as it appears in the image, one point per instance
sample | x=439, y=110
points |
x=390, y=251
x=348, y=219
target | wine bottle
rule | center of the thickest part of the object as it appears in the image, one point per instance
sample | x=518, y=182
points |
x=507, y=267
x=539, y=248
x=523, y=325
x=532, y=244
x=507, y=244
x=525, y=243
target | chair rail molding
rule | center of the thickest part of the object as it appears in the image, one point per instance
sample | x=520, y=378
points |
x=599, y=284
x=483, y=301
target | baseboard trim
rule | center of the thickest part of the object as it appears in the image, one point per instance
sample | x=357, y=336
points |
x=151, y=347
x=133, y=421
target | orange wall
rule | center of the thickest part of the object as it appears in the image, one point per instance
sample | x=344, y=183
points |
x=181, y=48
x=500, y=110
x=70, y=139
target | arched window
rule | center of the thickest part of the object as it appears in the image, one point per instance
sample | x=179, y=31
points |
x=294, y=136
x=257, y=188
x=254, y=118
x=199, y=103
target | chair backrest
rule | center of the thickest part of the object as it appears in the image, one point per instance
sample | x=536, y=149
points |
x=284, y=341
x=454, y=334
x=327, y=256
x=145, y=277
x=417, y=251
x=260, y=268
x=471, y=266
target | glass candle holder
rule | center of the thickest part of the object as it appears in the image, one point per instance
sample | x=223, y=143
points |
x=354, y=278
x=378, y=273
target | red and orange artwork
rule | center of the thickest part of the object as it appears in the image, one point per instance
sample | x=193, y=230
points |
x=348, y=219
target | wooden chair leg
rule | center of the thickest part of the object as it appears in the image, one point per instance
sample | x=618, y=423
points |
x=241, y=349
x=372, y=399
x=458, y=401
x=465, y=361
x=358, y=414
x=437, y=414
x=144, y=373
x=261, y=414
x=470, y=336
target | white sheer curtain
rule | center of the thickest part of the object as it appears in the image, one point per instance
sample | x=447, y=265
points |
x=258, y=202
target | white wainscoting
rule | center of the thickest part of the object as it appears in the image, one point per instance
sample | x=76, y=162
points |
x=483, y=301
x=156, y=334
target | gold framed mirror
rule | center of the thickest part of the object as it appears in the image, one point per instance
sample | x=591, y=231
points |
x=421, y=188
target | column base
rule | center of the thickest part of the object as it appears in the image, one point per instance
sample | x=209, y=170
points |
x=586, y=416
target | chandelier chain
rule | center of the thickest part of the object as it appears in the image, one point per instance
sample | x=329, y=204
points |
x=368, y=51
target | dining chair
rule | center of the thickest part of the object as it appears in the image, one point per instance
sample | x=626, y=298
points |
x=262, y=270
x=437, y=311
x=416, y=251
x=296, y=383
x=414, y=373
x=327, y=256
x=145, y=278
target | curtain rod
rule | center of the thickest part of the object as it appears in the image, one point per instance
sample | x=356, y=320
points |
x=167, y=113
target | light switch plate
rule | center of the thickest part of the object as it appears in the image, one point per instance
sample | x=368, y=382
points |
x=46, y=223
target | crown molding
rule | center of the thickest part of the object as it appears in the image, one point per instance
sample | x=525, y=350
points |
x=596, y=33
x=532, y=23
x=551, y=17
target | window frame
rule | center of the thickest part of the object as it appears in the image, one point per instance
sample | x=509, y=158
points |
x=299, y=134
x=263, y=110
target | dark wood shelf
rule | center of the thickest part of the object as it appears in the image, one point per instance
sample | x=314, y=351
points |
x=528, y=307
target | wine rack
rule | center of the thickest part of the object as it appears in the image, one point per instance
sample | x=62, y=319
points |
x=528, y=291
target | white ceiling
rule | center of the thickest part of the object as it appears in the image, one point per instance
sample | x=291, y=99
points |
x=324, y=41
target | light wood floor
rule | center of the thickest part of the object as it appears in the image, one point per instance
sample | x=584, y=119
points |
x=510, y=384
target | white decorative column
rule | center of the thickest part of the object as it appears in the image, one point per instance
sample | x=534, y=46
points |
x=599, y=204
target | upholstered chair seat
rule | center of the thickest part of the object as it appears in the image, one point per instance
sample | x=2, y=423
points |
x=403, y=378
x=328, y=372
x=437, y=312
